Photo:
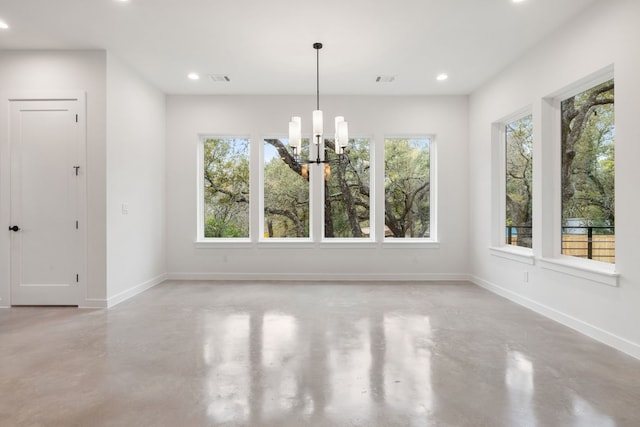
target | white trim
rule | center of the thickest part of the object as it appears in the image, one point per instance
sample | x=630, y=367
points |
x=499, y=172
x=130, y=293
x=287, y=243
x=372, y=233
x=552, y=185
x=323, y=277
x=588, y=82
x=240, y=243
x=351, y=243
x=93, y=303
x=201, y=137
x=514, y=253
x=595, y=271
x=400, y=243
x=598, y=334
x=433, y=187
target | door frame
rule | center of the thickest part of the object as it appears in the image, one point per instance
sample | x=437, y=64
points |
x=5, y=185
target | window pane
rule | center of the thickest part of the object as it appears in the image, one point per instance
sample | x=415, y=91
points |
x=226, y=187
x=588, y=169
x=519, y=161
x=346, y=191
x=286, y=190
x=406, y=188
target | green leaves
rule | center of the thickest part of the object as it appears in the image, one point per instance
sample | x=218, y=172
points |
x=589, y=156
x=226, y=187
x=407, y=185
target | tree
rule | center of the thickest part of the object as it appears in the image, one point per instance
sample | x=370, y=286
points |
x=286, y=194
x=519, y=171
x=347, y=190
x=226, y=187
x=588, y=167
x=286, y=189
x=407, y=185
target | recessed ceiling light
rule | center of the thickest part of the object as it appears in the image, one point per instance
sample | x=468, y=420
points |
x=4, y=25
x=442, y=77
x=193, y=76
x=518, y=1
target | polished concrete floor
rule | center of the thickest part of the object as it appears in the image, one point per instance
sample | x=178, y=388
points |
x=309, y=354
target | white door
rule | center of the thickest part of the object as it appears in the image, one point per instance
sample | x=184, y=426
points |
x=46, y=142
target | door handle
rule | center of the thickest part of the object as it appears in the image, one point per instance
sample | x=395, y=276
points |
x=14, y=228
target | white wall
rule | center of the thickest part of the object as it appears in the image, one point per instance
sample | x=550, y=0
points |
x=136, y=257
x=260, y=116
x=605, y=34
x=36, y=72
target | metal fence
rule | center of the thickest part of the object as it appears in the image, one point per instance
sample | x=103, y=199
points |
x=590, y=242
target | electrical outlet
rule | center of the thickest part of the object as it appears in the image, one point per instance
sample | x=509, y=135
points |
x=125, y=209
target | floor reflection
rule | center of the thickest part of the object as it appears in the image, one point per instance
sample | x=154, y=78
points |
x=191, y=354
x=585, y=415
x=407, y=368
x=226, y=353
x=280, y=365
x=343, y=366
x=265, y=367
x=520, y=388
x=349, y=361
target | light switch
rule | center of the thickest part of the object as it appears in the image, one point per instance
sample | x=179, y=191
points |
x=125, y=209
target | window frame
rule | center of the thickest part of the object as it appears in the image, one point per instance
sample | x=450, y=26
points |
x=357, y=241
x=551, y=249
x=499, y=247
x=278, y=241
x=206, y=242
x=432, y=241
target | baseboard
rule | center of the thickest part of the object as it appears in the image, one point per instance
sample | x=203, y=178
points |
x=138, y=289
x=319, y=277
x=93, y=303
x=598, y=334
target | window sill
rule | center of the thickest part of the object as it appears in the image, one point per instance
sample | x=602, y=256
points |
x=591, y=270
x=223, y=243
x=348, y=243
x=410, y=243
x=288, y=243
x=514, y=253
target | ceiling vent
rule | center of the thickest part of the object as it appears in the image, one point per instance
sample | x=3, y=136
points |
x=385, y=79
x=219, y=78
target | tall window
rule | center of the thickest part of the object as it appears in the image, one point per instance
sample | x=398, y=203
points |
x=407, y=187
x=588, y=169
x=286, y=191
x=519, y=162
x=226, y=187
x=346, y=191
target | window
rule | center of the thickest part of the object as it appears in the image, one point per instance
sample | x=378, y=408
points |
x=518, y=177
x=587, y=174
x=286, y=191
x=225, y=187
x=347, y=191
x=407, y=181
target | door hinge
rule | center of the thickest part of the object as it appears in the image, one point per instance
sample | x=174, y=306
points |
x=77, y=278
x=76, y=118
x=76, y=225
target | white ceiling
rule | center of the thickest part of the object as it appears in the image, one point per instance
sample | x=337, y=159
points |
x=265, y=46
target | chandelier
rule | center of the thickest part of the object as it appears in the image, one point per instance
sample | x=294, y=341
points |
x=341, y=137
